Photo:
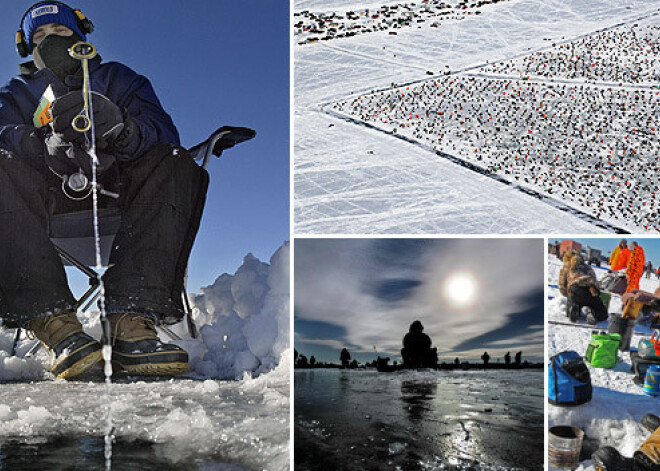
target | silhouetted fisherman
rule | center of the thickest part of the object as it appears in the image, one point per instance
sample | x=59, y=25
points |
x=345, y=357
x=518, y=357
x=485, y=357
x=507, y=358
x=417, y=351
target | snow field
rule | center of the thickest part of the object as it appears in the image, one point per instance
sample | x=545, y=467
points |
x=612, y=416
x=361, y=67
x=592, y=146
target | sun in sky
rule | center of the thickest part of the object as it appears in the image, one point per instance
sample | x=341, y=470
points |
x=460, y=289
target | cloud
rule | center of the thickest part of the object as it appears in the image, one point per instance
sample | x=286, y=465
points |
x=375, y=288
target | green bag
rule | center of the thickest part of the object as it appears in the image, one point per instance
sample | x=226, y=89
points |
x=603, y=350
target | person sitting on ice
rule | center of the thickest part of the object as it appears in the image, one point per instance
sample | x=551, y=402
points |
x=162, y=193
x=577, y=281
x=417, y=351
x=645, y=458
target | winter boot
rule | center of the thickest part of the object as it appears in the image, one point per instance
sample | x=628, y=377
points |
x=591, y=317
x=648, y=452
x=609, y=459
x=573, y=312
x=72, y=351
x=651, y=422
x=137, y=349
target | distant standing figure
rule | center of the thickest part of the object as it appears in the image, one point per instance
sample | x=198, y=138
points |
x=417, y=351
x=456, y=361
x=518, y=357
x=507, y=358
x=620, y=256
x=312, y=361
x=635, y=266
x=649, y=269
x=557, y=249
x=345, y=358
x=485, y=357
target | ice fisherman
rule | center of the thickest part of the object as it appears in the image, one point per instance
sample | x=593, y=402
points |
x=620, y=256
x=635, y=267
x=417, y=351
x=645, y=458
x=162, y=193
x=578, y=282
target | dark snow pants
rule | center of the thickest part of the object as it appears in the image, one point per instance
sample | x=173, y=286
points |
x=162, y=196
x=581, y=297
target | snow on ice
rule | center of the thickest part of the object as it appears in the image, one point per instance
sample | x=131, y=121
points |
x=513, y=81
x=243, y=423
x=613, y=415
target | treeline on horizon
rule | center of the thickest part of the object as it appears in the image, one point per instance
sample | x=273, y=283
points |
x=301, y=361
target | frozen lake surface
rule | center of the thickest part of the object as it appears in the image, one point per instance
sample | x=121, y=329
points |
x=362, y=419
x=370, y=170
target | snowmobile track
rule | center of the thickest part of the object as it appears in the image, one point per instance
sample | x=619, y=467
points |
x=475, y=168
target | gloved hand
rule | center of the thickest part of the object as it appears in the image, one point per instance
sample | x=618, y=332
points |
x=108, y=120
x=66, y=158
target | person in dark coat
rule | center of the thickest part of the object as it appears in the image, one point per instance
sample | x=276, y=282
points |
x=417, y=351
x=161, y=198
x=345, y=358
x=507, y=358
x=518, y=358
x=485, y=357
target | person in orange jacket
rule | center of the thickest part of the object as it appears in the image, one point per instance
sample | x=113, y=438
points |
x=620, y=256
x=635, y=266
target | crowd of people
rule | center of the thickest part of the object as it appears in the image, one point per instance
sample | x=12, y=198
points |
x=627, y=54
x=591, y=146
x=311, y=27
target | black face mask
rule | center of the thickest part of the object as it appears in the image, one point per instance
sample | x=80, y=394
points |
x=54, y=52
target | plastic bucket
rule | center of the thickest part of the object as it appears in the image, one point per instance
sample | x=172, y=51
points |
x=651, y=385
x=623, y=327
x=564, y=446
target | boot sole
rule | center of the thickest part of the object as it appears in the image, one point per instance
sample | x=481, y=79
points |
x=153, y=364
x=87, y=361
x=155, y=369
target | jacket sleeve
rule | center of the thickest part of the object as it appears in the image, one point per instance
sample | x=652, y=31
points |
x=12, y=122
x=563, y=284
x=135, y=96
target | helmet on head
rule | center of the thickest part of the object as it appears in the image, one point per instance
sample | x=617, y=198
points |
x=45, y=12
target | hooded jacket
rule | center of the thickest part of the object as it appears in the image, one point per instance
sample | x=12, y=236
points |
x=575, y=273
x=131, y=92
x=619, y=258
x=636, y=264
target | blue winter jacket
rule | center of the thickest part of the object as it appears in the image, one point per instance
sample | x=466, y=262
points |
x=132, y=93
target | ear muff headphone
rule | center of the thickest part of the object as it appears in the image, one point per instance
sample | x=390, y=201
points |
x=84, y=23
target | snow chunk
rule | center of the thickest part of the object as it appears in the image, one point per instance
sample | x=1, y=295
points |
x=244, y=320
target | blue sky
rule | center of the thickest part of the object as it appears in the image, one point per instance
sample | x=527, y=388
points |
x=363, y=294
x=211, y=63
x=651, y=246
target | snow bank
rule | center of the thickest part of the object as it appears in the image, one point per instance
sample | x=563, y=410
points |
x=243, y=320
x=612, y=416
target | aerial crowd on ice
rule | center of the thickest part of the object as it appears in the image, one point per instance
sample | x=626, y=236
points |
x=571, y=121
x=311, y=27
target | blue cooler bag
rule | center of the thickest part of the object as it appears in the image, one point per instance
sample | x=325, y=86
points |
x=569, y=381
